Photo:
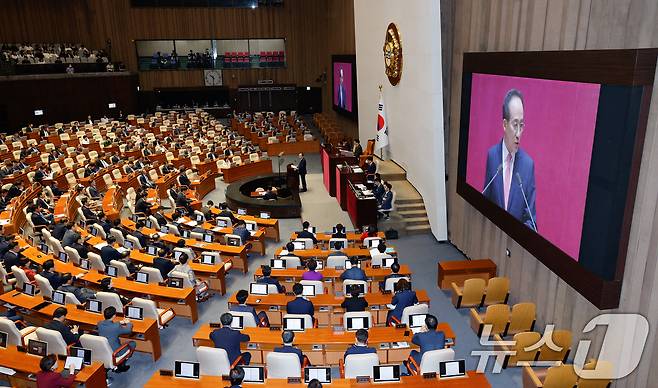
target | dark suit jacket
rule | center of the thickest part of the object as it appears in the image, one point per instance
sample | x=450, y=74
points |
x=353, y=273
x=354, y=304
x=64, y=330
x=301, y=167
x=108, y=253
x=269, y=280
x=291, y=349
x=307, y=234
x=387, y=200
x=10, y=259
x=163, y=265
x=184, y=180
x=431, y=340
x=229, y=340
x=300, y=305
x=246, y=309
x=54, y=278
x=112, y=330
x=141, y=206
x=39, y=220
x=355, y=349
x=401, y=300
x=358, y=150
x=525, y=167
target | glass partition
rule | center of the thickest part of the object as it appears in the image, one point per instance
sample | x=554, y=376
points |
x=210, y=54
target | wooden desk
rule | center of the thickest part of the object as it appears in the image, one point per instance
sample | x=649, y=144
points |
x=472, y=380
x=113, y=203
x=329, y=162
x=327, y=306
x=262, y=167
x=163, y=184
x=323, y=238
x=13, y=218
x=344, y=176
x=323, y=346
x=66, y=206
x=205, y=184
x=310, y=146
x=92, y=376
x=362, y=210
x=290, y=276
x=323, y=253
x=458, y=271
x=145, y=333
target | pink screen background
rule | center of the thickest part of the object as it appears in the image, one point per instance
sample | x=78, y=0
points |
x=560, y=118
x=347, y=83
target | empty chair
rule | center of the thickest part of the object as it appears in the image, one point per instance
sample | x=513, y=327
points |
x=73, y=255
x=283, y=365
x=155, y=276
x=317, y=284
x=107, y=179
x=95, y=262
x=227, y=237
x=359, y=365
x=213, y=361
x=496, y=315
x=21, y=277
x=522, y=318
x=195, y=160
x=80, y=172
x=7, y=283
x=153, y=175
x=173, y=229
x=122, y=268
x=555, y=377
x=81, y=158
x=55, y=246
x=336, y=261
x=14, y=336
x=44, y=158
x=45, y=288
x=247, y=318
x=55, y=167
x=420, y=308
x=17, y=154
x=272, y=140
x=135, y=241
x=188, y=251
x=237, y=160
x=292, y=261
x=497, y=291
x=308, y=243
x=100, y=232
x=116, y=233
x=604, y=370
x=116, y=173
x=470, y=295
x=162, y=316
x=523, y=349
x=69, y=163
x=102, y=352
x=561, y=338
x=70, y=298
x=349, y=282
x=70, y=179
x=110, y=299
x=389, y=284
x=357, y=314
x=54, y=340
x=431, y=359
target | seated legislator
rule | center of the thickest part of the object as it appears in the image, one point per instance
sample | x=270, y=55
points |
x=83, y=294
x=268, y=279
x=361, y=344
x=428, y=339
x=404, y=297
x=48, y=377
x=356, y=302
x=164, y=262
x=70, y=335
x=11, y=257
x=241, y=296
x=200, y=287
x=312, y=274
x=112, y=330
x=288, y=337
x=224, y=212
x=395, y=269
x=109, y=253
x=240, y=229
x=305, y=233
x=299, y=305
x=340, y=232
x=338, y=245
x=354, y=273
x=269, y=194
x=229, y=340
x=55, y=279
x=59, y=228
x=235, y=377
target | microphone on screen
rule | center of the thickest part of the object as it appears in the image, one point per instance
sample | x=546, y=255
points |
x=518, y=177
x=500, y=167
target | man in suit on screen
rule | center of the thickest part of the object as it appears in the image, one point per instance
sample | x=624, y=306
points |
x=341, y=90
x=510, y=172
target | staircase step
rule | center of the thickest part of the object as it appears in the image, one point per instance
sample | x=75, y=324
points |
x=418, y=229
x=409, y=206
x=417, y=221
x=412, y=213
x=409, y=201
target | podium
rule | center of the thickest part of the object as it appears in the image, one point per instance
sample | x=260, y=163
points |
x=292, y=177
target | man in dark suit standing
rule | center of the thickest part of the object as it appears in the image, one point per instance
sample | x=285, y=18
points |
x=229, y=339
x=299, y=305
x=305, y=233
x=510, y=173
x=267, y=279
x=428, y=339
x=357, y=150
x=301, y=169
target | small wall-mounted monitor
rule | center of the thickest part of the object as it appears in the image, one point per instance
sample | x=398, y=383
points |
x=112, y=105
x=38, y=112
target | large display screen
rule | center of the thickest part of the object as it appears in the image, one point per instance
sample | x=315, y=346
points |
x=344, y=96
x=549, y=150
x=529, y=151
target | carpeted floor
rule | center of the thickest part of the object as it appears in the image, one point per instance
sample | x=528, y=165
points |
x=421, y=252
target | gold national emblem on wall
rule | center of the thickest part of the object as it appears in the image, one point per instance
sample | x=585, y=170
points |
x=393, y=54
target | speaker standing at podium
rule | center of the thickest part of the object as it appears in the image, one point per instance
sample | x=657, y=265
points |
x=301, y=169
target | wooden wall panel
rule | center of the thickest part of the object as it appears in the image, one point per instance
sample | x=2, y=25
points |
x=520, y=25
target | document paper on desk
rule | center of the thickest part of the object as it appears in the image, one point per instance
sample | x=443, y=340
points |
x=100, y=246
x=7, y=371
